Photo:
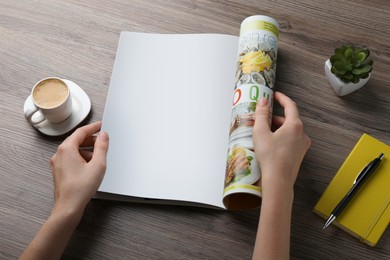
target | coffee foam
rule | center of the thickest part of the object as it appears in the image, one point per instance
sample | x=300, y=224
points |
x=50, y=93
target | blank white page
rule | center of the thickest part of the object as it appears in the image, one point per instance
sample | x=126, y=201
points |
x=168, y=114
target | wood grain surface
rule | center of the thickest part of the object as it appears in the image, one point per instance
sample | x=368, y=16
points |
x=77, y=40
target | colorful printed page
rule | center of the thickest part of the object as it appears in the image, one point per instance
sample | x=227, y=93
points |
x=255, y=79
x=168, y=113
x=368, y=214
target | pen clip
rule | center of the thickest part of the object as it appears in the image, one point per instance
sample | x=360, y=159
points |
x=361, y=173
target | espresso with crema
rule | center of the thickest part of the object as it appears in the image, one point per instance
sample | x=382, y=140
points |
x=50, y=93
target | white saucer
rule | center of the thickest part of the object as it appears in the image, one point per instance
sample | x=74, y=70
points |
x=81, y=106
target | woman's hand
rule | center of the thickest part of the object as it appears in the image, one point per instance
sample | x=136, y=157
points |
x=77, y=174
x=281, y=152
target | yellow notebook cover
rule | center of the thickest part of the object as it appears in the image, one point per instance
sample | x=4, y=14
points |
x=368, y=213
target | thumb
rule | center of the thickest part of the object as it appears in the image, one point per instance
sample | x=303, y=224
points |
x=100, y=150
x=262, y=117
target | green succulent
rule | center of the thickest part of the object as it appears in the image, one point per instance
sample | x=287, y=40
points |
x=350, y=64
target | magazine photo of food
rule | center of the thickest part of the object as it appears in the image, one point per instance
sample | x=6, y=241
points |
x=255, y=79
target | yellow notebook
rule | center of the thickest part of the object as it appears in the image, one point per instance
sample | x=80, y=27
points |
x=368, y=213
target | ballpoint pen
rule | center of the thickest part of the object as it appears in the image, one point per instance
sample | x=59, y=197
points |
x=357, y=184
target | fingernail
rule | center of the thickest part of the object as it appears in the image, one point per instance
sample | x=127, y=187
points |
x=104, y=136
x=263, y=102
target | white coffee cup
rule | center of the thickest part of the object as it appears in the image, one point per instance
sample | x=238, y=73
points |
x=50, y=100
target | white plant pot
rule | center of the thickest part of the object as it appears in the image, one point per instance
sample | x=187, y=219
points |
x=339, y=86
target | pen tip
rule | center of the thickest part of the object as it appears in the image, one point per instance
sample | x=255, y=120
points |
x=329, y=221
x=326, y=225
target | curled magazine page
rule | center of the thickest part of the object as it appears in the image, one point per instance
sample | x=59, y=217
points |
x=168, y=116
x=255, y=79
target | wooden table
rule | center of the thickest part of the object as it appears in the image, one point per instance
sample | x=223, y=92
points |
x=77, y=40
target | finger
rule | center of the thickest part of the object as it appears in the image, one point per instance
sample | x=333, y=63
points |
x=80, y=135
x=262, y=116
x=100, y=150
x=89, y=141
x=87, y=155
x=277, y=121
x=289, y=106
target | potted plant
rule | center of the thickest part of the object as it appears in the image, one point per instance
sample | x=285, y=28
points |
x=348, y=69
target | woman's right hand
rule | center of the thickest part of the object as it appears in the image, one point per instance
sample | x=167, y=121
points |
x=281, y=152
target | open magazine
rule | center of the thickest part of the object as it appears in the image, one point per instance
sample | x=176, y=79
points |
x=180, y=112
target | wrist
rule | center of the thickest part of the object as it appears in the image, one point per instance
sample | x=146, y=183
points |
x=277, y=190
x=278, y=178
x=69, y=214
x=52, y=238
x=278, y=193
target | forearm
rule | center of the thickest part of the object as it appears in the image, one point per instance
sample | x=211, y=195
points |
x=273, y=234
x=52, y=238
